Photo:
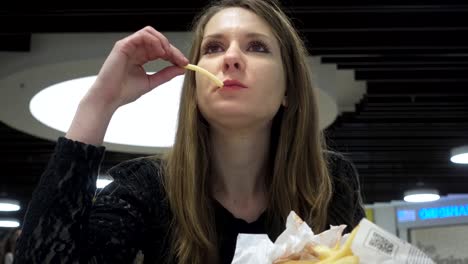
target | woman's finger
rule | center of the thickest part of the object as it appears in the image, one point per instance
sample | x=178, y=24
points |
x=164, y=75
x=164, y=41
x=178, y=57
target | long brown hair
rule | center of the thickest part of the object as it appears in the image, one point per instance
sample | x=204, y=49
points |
x=299, y=178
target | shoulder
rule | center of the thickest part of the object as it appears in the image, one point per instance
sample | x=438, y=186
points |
x=138, y=181
x=141, y=176
x=142, y=165
x=339, y=165
x=346, y=206
x=150, y=168
x=343, y=172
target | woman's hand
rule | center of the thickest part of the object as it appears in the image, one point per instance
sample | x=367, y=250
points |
x=122, y=79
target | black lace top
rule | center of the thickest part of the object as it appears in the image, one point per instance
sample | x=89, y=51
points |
x=68, y=221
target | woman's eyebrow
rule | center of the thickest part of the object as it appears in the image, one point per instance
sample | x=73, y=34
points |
x=248, y=35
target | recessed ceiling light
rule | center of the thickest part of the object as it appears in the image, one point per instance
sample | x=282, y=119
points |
x=150, y=121
x=459, y=155
x=421, y=195
x=9, y=222
x=8, y=205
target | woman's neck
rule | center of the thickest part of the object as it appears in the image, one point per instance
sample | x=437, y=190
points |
x=240, y=162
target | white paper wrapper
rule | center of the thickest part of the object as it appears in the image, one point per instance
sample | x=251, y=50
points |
x=372, y=244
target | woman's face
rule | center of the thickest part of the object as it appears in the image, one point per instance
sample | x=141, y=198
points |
x=239, y=46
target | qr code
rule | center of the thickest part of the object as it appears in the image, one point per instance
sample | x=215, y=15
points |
x=380, y=243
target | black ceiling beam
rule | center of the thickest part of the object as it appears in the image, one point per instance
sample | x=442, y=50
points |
x=416, y=104
x=384, y=134
x=397, y=126
x=369, y=148
x=406, y=66
x=403, y=143
x=388, y=51
x=411, y=119
x=409, y=86
x=418, y=98
x=403, y=74
x=442, y=39
x=411, y=109
x=97, y=23
x=349, y=130
x=416, y=57
x=386, y=186
x=355, y=18
x=379, y=171
x=405, y=88
x=15, y=42
x=418, y=93
x=352, y=17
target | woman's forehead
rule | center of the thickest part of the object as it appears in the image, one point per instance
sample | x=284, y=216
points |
x=236, y=20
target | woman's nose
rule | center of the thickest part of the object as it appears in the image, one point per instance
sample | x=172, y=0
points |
x=233, y=59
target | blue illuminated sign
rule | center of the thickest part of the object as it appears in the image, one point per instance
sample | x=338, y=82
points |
x=406, y=215
x=431, y=213
x=443, y=212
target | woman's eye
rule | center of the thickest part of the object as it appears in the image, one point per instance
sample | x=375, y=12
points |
x=216, y=47
x=258, y=46
x=212, y=47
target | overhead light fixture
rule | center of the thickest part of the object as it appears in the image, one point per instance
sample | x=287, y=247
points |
x=9, y=205
x=459, y=155
x=421, y=195
x=9, y=222
x=150, y=121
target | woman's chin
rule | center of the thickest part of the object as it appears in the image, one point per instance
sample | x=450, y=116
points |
x=234, y=115
x=228, y=110
x=236, y=120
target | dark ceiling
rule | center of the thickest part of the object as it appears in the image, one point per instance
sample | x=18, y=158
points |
x=413, y=56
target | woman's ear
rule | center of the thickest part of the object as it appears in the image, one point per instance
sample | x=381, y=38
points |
x=285, y=101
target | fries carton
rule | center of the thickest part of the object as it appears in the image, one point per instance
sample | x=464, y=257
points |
x=368, y=243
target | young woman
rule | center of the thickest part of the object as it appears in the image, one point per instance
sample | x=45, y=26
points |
x=245, y=154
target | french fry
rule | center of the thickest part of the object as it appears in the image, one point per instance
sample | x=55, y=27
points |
x=348, y=260
x=342, y=252
x=323, y=252
x=326, y=255
x=205, y=72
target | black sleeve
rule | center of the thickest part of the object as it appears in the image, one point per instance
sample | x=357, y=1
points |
x=67, y=223
x=346, y=206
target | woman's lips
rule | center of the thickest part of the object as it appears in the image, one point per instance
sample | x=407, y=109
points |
x=233, y=84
